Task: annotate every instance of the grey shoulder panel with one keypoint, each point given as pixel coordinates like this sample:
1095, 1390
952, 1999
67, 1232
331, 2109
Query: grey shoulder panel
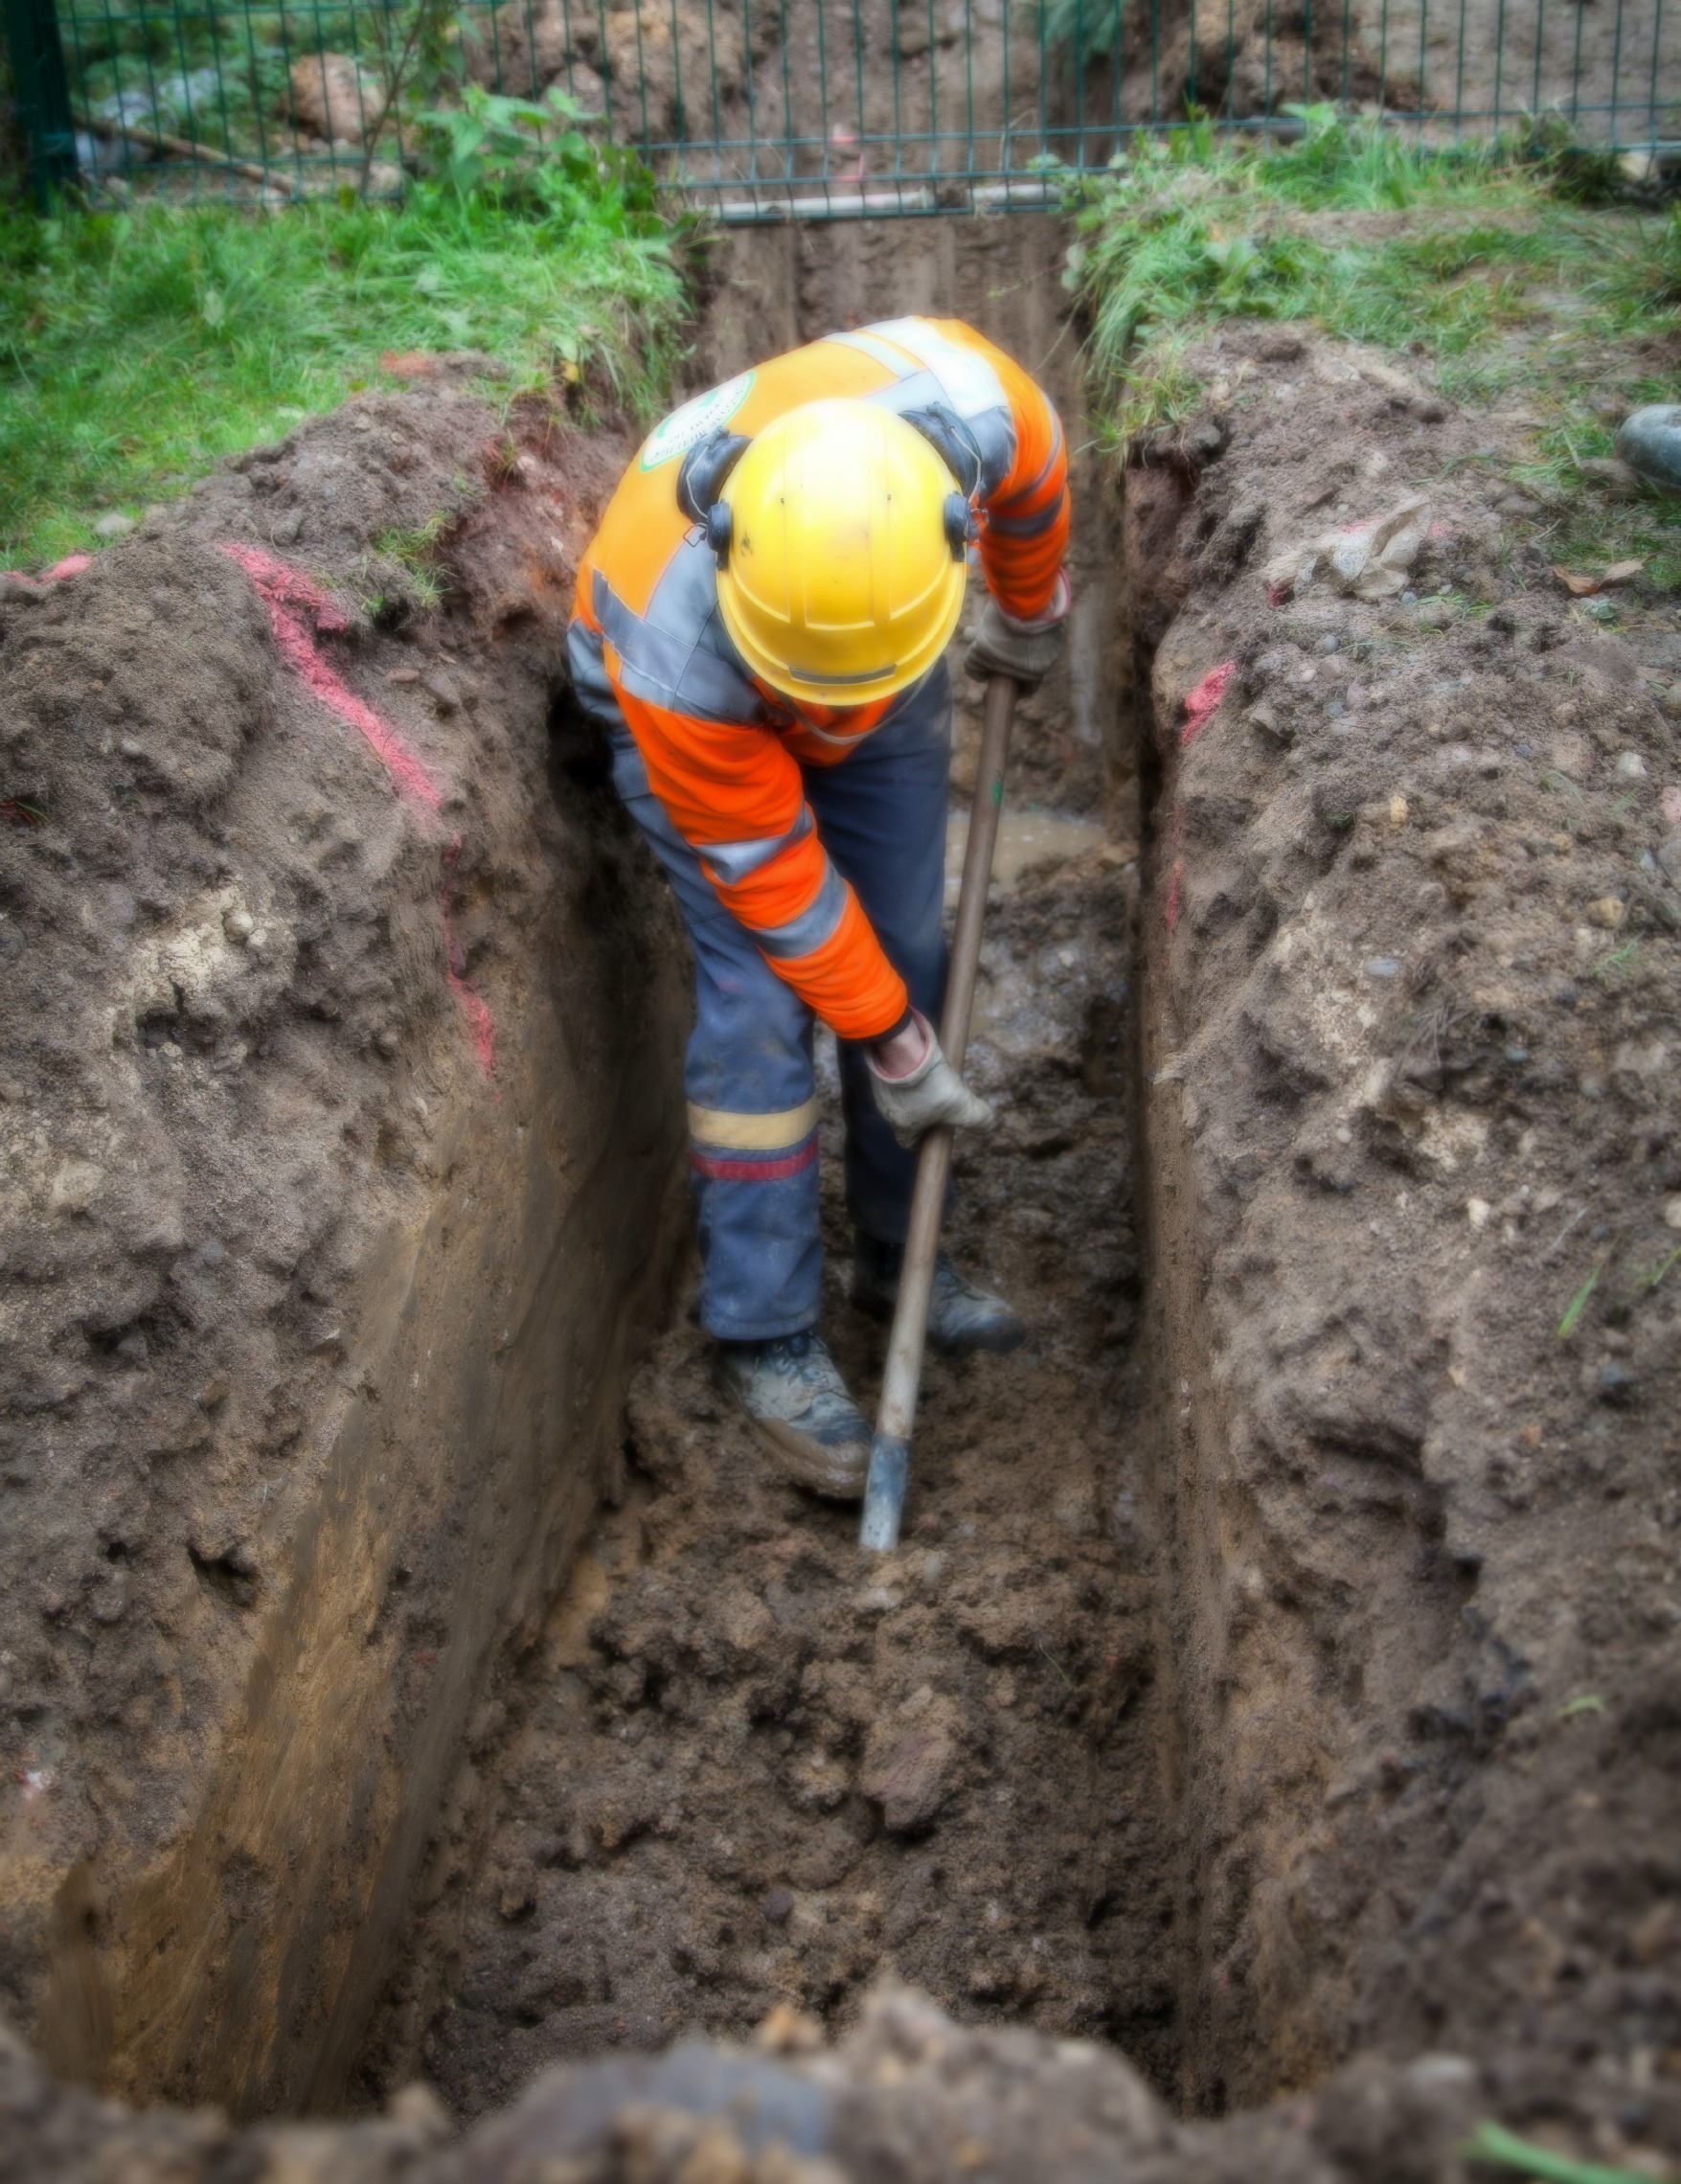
678, 655
590, 685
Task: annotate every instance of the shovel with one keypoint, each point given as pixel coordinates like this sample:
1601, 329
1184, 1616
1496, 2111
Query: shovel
890, 1452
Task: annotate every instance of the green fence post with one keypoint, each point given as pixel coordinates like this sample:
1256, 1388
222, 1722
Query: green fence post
43, 93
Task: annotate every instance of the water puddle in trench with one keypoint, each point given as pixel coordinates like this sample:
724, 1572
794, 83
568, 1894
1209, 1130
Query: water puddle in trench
745, 1766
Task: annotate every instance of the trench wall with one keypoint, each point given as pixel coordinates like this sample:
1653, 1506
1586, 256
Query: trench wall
500, 1328
388, 1193
1414, 1512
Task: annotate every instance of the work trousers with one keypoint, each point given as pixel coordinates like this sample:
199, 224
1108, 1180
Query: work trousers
749, 1076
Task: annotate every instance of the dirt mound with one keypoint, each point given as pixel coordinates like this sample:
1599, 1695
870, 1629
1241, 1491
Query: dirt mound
909, 2098
1414, 973
278, 855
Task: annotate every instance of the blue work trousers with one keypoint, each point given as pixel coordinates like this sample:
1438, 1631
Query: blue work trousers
881, 815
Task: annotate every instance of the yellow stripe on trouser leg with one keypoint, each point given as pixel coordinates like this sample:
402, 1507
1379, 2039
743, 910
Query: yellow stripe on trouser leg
751, 1134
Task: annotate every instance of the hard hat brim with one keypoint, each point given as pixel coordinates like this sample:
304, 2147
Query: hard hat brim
878, 682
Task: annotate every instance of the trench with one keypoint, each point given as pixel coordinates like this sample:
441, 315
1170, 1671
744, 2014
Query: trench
634, 1743
742, 1766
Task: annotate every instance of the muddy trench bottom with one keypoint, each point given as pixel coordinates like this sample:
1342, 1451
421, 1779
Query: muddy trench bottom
745, 1766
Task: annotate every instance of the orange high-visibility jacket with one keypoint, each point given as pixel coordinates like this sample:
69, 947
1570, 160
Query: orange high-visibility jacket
723, 753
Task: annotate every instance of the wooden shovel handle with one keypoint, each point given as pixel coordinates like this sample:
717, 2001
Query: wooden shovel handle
889, 1452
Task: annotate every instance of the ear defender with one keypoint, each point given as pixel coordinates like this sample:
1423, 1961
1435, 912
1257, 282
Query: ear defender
704, 472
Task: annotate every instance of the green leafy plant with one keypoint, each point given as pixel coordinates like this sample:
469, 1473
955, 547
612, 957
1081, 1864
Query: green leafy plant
526, 153
1615, 969
1578, 1305
415, 552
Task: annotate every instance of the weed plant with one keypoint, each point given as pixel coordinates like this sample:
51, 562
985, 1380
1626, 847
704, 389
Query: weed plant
1482, 260
138, 348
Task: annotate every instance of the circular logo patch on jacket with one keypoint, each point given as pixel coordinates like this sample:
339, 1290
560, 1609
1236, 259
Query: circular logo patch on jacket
696, 421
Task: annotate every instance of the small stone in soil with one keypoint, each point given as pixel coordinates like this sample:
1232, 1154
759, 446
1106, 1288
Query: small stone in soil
777, 1906
1611, 1382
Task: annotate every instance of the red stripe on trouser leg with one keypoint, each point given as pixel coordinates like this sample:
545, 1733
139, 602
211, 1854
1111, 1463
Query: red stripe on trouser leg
747, 1167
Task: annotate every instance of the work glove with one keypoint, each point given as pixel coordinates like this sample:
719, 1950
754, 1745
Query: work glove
932, 1094
1024, 651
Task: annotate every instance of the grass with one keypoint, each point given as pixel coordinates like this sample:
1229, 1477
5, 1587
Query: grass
1497, 275
404, 564
1578, 1305
138, 348
1502, 2148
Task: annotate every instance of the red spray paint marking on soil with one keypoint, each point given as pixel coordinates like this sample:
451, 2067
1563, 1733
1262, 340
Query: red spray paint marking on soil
72, 565
283, 591
288, 595
1203, 701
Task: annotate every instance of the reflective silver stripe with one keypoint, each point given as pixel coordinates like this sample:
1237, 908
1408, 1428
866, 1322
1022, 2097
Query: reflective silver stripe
968, 382
1028, 526
726, 1130
811, 927
864, 342
845, 682
728, 862
967, 386
673, 670
993, 429
844, 743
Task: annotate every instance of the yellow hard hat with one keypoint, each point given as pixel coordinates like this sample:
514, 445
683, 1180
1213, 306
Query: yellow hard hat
841, 560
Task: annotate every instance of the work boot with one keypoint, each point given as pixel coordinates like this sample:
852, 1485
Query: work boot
798, 1405
961, 1315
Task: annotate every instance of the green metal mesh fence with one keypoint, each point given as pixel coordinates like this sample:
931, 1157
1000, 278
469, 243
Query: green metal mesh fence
767, 108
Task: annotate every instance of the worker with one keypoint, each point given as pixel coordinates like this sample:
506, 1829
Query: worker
760, 626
